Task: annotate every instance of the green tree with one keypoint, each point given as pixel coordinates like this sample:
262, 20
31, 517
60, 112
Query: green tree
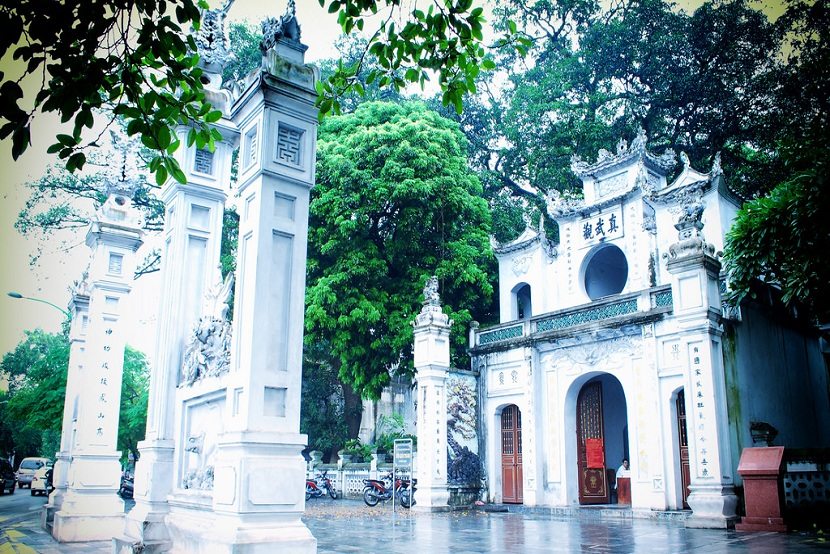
781, 238
36, 370
394, 203
130, 58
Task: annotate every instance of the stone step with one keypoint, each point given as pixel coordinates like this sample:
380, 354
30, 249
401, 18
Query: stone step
597, 512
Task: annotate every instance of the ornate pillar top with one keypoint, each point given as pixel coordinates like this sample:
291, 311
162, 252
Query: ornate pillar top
431, 312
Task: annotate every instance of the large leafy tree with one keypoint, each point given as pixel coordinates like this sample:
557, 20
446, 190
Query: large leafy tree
36, 371
394, 203
781, 238
697, 83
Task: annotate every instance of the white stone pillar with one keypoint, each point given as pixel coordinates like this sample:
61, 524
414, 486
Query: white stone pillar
259, 473
190, 266
91, 508
697, 306
79, 308
432, 363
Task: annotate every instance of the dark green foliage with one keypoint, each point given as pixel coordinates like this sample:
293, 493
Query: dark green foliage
322, 415
394, 204
697, 83
445, 38
131, 58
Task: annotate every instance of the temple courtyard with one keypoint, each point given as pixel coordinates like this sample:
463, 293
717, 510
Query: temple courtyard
350, 526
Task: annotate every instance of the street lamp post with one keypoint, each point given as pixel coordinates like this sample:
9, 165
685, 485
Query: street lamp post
19, 296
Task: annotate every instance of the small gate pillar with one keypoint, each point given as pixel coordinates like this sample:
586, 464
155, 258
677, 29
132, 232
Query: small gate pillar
432, 361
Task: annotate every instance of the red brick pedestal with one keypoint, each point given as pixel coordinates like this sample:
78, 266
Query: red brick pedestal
761, 470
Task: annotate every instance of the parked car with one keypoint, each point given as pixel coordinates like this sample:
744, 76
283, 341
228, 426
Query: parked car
42, 481
8, 480
27, 470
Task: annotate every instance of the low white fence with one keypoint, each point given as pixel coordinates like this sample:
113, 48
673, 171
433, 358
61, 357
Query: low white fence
348, 478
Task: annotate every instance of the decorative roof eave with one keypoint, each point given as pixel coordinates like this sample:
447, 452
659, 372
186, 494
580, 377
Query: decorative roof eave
526, 240
575, 210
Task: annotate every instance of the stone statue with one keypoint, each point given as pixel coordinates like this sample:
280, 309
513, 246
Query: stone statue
208, 351
274, 29
431, 297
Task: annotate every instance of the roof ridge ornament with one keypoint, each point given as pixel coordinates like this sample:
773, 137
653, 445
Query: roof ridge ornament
285, 27
212, 41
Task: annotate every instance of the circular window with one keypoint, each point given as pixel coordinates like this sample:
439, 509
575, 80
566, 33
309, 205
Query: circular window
606, 272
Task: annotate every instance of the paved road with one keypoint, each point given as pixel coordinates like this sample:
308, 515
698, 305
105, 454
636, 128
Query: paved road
349, 526
18, 504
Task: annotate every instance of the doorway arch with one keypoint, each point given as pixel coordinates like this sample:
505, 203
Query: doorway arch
601, 429
511, 455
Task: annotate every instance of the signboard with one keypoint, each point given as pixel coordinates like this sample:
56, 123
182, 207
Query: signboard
402, 454
597, 228
594, 453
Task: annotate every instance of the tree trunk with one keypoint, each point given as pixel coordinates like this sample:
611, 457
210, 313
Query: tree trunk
352, 410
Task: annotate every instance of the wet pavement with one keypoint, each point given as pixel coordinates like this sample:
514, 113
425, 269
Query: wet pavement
345, 526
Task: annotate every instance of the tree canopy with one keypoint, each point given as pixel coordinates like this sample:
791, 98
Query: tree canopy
394, 203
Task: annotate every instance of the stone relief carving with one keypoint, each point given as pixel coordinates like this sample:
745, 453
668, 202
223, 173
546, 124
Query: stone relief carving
583, 357
431, 296
200, 477
207, 354
692, 242
521, 265
463, 463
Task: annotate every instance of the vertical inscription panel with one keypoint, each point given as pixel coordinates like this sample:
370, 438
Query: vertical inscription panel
280, 296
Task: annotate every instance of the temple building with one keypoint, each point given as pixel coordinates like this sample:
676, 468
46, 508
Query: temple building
615, 343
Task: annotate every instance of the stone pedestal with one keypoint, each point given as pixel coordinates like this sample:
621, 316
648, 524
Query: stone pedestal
91, 508
432, 361
761, 470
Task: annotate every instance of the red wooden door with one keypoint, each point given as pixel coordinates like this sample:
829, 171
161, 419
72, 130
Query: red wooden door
590, 443
511, 455
683, 443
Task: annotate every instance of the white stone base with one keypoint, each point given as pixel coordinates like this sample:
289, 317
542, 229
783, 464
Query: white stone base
431, 498
82, 528
713, 506
202, 532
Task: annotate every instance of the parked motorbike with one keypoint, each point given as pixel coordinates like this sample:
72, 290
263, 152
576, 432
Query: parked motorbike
319, 486
381, 489
126, 488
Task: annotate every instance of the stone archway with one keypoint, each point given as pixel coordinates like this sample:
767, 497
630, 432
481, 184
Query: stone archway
600, 430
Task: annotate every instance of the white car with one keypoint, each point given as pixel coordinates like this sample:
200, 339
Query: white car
42, 481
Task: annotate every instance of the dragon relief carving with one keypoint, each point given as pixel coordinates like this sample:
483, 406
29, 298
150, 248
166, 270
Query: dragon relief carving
208, 352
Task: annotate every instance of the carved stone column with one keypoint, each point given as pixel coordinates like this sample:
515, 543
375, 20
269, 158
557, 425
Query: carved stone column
79, 308
258, 477
697, 307
432, 362
190, 258
91, 508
